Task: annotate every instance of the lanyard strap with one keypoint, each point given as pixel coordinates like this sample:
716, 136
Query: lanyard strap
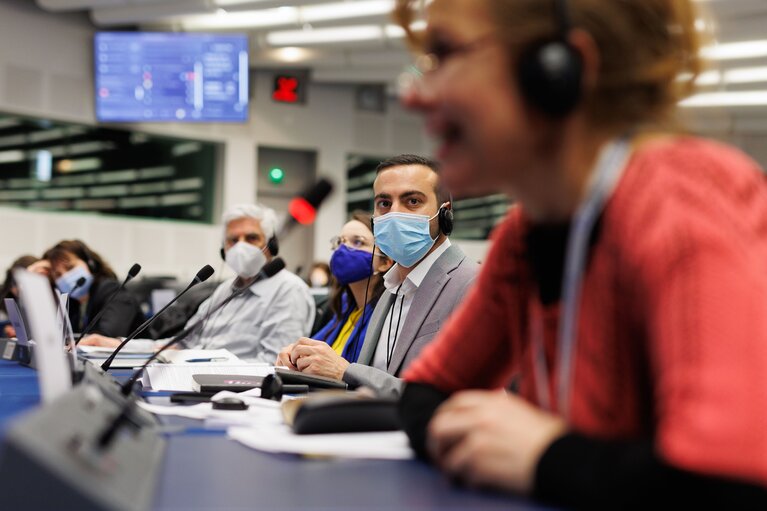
605, 177
390, 350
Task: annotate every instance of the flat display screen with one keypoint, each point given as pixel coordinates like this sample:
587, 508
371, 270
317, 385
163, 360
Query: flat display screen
180, 77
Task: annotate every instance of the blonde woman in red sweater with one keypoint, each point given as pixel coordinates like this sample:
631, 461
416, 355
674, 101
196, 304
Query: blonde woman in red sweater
625, 294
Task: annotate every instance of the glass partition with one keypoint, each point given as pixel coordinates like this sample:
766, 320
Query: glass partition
51, 165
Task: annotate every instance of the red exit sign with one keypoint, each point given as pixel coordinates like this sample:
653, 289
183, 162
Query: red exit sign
288, 89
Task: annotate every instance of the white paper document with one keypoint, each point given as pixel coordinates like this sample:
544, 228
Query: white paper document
391, 445
178, 377
261, 413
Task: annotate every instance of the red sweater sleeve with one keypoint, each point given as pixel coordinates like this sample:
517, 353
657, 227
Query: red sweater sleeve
473, 349
702, 268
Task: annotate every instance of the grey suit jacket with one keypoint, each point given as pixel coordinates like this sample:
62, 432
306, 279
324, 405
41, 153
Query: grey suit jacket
443, 288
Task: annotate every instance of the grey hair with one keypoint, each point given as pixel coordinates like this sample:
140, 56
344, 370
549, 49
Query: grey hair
266, 216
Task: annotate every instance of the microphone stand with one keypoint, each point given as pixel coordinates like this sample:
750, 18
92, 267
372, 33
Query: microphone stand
201, 276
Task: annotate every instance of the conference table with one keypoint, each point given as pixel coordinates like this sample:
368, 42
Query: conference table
204, 469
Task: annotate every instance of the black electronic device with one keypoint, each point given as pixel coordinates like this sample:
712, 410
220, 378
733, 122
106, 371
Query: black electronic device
64, 450
273, 387
550, 70
202, 275
313, 381
191, 397
221, 382
334, 412
229, 403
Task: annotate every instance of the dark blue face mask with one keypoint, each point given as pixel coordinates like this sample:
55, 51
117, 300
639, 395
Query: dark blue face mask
349, 265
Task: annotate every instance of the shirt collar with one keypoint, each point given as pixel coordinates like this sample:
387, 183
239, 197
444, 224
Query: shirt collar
258, 287
414, 279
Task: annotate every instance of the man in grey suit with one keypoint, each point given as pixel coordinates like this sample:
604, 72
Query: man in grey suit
413, 218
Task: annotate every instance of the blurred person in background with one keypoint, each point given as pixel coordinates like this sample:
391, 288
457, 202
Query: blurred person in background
72, 260
257, 324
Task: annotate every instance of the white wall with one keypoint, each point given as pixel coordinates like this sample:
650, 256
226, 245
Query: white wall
46, 70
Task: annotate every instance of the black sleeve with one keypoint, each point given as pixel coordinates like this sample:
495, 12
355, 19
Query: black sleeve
122, 314
417, 405
587, 473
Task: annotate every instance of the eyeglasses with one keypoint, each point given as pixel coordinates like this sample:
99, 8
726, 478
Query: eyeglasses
355, 242
413, 75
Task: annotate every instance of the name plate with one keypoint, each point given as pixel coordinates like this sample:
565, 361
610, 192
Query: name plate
10, 346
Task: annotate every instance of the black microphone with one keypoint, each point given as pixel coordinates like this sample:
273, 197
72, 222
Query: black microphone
80, 283
303, 209
269, 270
134, 270
202, 275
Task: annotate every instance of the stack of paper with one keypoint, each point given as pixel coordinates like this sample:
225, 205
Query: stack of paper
128, 357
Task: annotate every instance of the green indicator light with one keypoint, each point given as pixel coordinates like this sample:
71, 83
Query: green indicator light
276, 175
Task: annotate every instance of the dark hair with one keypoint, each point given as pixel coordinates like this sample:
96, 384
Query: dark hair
337, 291
6, 291
402, 160
96, 264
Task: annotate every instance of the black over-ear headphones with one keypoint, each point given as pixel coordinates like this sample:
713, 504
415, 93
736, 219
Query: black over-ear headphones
272, 245
550, 70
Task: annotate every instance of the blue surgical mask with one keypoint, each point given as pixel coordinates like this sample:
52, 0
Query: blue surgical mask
350, 265
404, 237
67, 283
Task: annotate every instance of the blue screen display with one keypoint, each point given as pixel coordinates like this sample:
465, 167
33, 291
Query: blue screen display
156, 76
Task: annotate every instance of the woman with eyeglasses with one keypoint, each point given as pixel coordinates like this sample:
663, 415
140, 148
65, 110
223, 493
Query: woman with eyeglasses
624, 296
356, 287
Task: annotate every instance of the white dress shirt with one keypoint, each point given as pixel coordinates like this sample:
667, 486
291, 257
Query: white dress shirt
404, 292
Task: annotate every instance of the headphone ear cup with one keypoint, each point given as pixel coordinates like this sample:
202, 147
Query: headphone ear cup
549, 74
222, 253
273, 245
445, 220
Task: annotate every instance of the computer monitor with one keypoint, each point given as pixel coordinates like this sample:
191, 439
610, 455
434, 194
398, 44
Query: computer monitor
180, 77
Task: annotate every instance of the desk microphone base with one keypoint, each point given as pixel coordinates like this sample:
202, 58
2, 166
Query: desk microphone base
49, 458
10, 349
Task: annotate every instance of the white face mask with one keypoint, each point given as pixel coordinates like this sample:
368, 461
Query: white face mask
245, 259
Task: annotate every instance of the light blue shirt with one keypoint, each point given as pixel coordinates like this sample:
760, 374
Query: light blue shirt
256, 325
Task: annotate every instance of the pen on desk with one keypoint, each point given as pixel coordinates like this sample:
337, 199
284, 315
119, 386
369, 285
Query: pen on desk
213, 359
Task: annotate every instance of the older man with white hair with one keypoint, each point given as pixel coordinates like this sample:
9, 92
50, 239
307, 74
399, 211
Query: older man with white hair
257, 324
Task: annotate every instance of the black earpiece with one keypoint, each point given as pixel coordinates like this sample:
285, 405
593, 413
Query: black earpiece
550, 71
88, 257
273, 245
445, 219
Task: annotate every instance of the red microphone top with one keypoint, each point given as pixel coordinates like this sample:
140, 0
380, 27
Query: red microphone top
303, 212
